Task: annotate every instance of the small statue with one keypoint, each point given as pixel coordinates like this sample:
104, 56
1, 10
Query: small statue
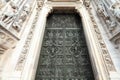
17, 25
10, 13
25, 12
102, 12
115, 8
111, 24
21, 18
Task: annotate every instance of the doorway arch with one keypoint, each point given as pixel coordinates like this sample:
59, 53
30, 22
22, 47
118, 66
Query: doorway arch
100, 71
64, 54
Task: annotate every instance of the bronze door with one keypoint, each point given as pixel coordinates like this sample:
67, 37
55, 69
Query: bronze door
64, 54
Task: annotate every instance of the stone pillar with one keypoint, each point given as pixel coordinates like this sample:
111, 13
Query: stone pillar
29, 70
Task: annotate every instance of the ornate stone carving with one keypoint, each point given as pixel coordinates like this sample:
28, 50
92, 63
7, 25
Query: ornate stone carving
87, 3
111, 25
23, 55
102, 11
105, 54
17, 24
6, 41
10, 13
115, 8
12, 17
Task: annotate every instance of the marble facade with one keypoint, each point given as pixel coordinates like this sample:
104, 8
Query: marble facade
21, 35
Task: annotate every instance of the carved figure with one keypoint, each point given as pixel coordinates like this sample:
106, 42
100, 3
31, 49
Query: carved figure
87, 3
22, 17
111, 24
102, 12
10, 13
17, 25
115, 8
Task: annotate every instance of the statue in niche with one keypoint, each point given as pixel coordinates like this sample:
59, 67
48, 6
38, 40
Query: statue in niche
25, 12
115, 8
10, 13
102, 11
22, 17
111, 24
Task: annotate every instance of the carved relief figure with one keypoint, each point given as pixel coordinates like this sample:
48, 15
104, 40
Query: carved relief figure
10, 13
111, 25
22, 17
102, 11
115, 8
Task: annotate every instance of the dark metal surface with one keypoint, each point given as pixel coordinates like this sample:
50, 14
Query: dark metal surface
64, 54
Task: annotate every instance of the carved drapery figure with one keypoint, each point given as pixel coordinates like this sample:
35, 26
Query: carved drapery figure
115, 8
10, 13
111, 25
22, 17
102, 11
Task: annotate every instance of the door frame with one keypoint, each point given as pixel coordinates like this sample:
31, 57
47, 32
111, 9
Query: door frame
100, 70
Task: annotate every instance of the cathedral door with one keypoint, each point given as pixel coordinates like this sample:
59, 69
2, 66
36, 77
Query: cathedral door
64, 54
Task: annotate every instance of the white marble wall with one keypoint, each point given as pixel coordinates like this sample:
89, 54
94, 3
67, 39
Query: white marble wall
20, 61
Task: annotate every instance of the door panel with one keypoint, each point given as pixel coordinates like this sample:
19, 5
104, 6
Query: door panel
64, 54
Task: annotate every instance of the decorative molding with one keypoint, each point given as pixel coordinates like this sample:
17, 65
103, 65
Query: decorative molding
105, 54
110, 18
23, 55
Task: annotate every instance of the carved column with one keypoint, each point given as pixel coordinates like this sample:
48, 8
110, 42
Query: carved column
31, 64
99, 53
